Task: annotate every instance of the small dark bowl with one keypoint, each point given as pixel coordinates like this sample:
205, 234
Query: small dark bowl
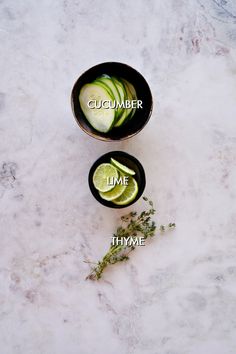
128, 161
141, 116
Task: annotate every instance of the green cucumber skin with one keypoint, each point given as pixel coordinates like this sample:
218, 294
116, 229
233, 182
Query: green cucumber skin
131, 89
115, 91
104, 80
118, 85
107, 88
123, 88
124, 119
119, 82
122, 122
100, 82
134, 96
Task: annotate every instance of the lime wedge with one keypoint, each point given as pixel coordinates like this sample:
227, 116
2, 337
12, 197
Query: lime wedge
114, 193
102, 175
129, 194
122, 167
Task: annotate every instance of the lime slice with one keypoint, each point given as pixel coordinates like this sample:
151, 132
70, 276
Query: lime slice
114, 193
129, 194
102, 175
122, 167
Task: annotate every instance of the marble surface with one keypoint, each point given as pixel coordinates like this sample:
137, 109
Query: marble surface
178, 294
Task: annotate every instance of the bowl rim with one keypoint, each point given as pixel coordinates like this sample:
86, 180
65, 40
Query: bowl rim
103, 138
140, 167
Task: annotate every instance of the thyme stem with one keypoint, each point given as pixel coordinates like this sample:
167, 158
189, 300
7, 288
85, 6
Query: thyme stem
134, 226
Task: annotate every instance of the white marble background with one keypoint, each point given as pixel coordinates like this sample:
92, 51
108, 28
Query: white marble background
178, 294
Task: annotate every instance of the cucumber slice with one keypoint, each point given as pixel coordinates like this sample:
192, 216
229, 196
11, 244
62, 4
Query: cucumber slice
99, 82
124, 113
120, 88
134, 95
107, 88
127, 111
131, 88
108, 81
122, 92
101, 119
110, 84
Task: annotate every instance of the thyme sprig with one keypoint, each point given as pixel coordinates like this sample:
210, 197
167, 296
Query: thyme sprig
132, 225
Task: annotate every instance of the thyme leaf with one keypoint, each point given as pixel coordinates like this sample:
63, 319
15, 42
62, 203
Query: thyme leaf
132, 225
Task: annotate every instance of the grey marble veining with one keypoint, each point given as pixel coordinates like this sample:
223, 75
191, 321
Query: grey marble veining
178, 294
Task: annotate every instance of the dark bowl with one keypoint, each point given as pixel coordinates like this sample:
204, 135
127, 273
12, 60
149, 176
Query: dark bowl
128, 161
141, 116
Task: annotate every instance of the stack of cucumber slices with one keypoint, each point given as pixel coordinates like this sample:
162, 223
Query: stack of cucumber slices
116, 92
124, 188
